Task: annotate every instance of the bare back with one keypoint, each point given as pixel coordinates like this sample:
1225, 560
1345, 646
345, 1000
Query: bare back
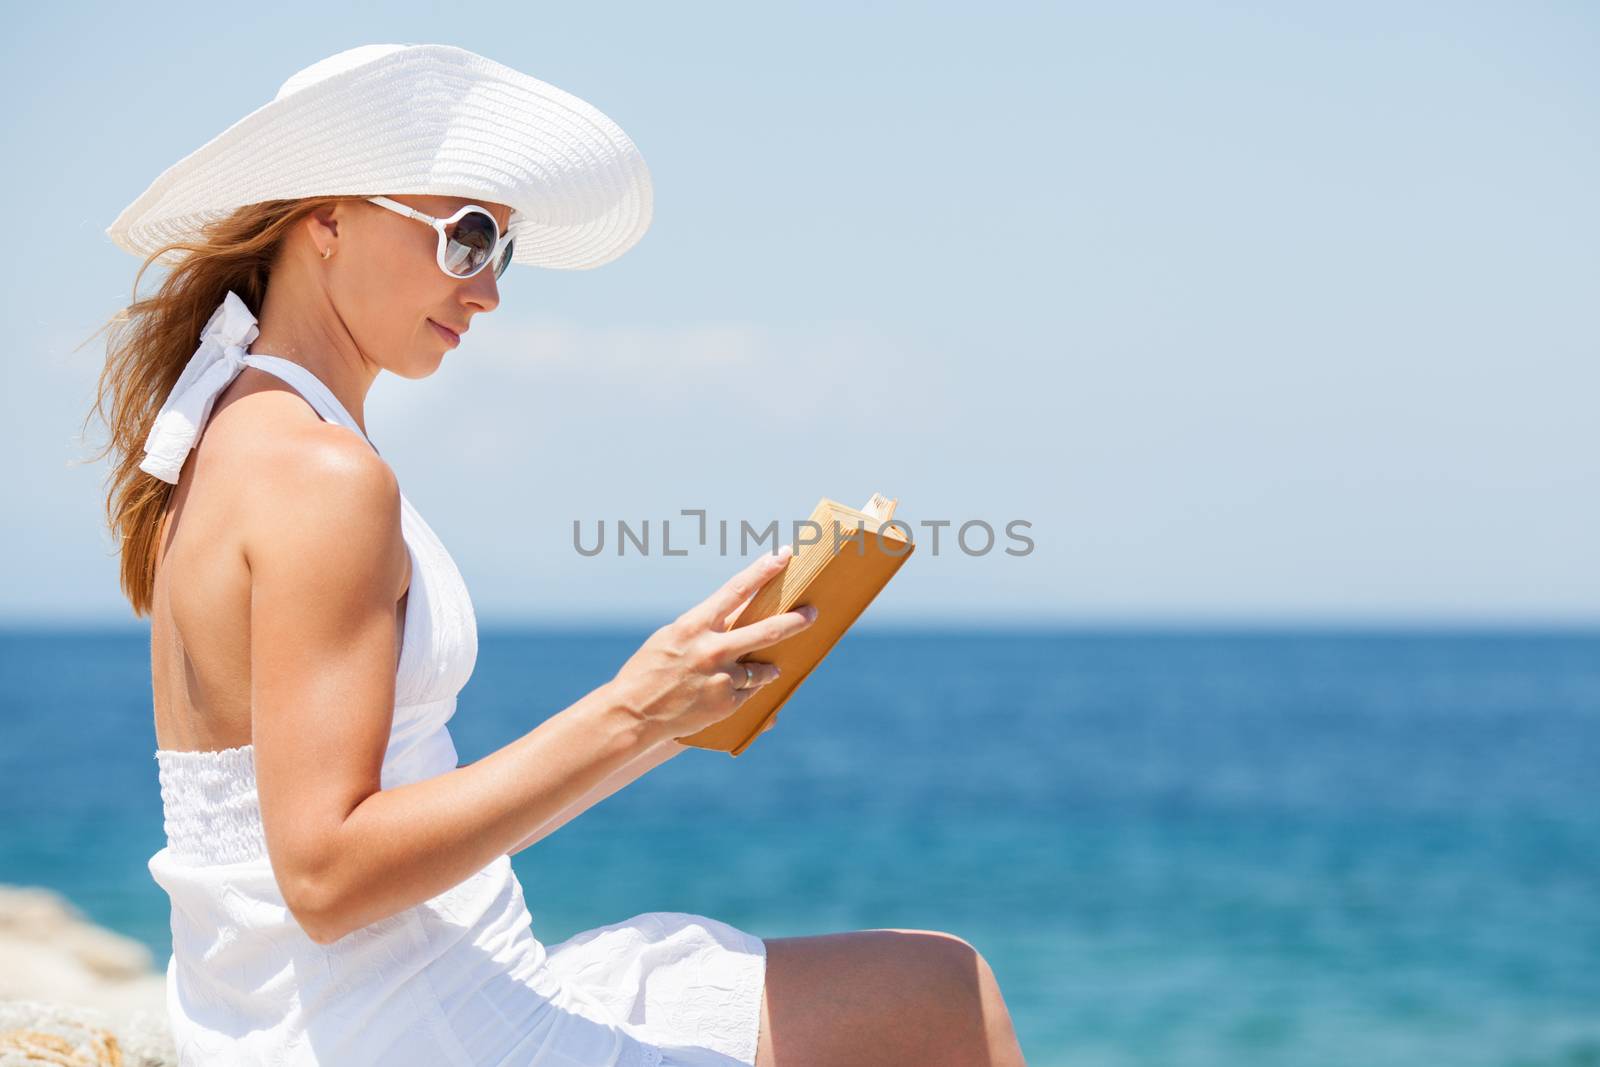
200, 614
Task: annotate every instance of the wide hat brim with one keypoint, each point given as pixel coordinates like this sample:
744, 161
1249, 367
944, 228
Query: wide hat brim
426, 119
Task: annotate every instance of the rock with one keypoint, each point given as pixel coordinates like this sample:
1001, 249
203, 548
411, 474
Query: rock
35, 1032
71, 991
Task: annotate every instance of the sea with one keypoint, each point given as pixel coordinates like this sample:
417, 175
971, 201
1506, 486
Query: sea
1186, 848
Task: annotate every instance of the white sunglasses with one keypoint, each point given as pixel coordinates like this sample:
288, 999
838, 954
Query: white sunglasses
469, 240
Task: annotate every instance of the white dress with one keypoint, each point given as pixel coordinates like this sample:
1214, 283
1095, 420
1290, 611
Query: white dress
458, 980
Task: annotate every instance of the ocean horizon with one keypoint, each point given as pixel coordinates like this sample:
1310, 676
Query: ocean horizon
1318, 845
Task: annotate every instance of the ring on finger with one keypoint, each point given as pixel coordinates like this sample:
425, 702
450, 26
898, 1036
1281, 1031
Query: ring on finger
748, 675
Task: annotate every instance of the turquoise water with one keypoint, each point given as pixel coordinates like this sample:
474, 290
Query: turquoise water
1174, 848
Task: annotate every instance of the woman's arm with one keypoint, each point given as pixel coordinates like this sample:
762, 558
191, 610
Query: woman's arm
637, 768
327, 565
641, 765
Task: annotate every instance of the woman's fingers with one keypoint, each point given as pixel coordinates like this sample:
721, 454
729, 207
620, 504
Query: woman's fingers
760, 674
764, 632
732, 616
729, 619
716, 611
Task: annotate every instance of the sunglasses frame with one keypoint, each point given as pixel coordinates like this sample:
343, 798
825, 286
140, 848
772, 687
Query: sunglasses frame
501, 240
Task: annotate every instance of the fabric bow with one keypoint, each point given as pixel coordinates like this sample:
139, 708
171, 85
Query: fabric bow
214, 364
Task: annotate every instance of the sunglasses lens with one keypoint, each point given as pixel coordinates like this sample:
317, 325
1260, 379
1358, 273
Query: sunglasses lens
471, 239
505, 258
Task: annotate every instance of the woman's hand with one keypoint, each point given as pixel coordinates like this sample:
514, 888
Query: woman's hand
689, 674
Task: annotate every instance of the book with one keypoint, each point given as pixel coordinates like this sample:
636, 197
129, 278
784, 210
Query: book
853, 555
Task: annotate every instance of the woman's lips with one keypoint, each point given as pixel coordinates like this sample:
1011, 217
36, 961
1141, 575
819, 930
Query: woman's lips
446, 333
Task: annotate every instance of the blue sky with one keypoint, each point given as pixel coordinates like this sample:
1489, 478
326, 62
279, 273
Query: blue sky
1259, 314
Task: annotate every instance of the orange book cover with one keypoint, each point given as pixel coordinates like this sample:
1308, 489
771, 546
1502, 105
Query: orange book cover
840, 572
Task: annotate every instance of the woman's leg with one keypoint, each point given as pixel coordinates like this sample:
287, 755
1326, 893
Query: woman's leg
882, 998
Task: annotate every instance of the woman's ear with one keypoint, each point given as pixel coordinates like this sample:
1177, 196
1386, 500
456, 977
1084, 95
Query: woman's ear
322, 225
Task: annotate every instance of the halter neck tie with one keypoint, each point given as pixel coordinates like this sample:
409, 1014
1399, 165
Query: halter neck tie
218, 360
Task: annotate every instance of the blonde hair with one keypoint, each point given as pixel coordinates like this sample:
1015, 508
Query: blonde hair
149, 343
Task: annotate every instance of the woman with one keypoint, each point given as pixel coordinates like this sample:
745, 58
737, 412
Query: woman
341, 890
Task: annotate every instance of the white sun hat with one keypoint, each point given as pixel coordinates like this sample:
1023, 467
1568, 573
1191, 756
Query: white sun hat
428, 119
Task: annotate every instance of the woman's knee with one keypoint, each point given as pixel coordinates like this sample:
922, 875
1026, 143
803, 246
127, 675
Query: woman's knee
884, 996
967, 971
999, 1030
954, 954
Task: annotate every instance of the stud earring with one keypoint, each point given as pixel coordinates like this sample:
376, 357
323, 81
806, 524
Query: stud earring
326, 252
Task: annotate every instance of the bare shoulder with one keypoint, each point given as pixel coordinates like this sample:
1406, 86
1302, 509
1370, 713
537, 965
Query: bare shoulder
322, 491
310, 495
